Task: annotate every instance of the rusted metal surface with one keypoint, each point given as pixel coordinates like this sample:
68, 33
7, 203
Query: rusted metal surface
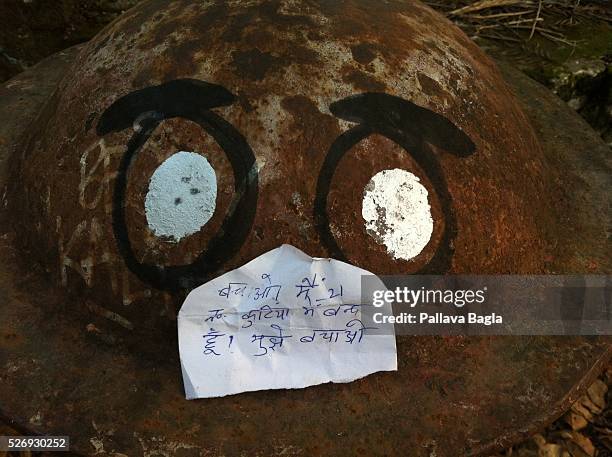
581, 168
286, 63
115, 390
451, 396
22, 99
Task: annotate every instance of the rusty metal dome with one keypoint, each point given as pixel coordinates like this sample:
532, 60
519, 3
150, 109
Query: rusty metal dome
295, 106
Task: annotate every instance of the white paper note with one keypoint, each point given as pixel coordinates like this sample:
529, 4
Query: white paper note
282, 321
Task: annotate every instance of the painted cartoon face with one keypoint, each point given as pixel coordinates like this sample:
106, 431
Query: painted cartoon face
182, 192
192, 137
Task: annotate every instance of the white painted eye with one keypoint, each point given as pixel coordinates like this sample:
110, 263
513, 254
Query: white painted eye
182, 196
397, 213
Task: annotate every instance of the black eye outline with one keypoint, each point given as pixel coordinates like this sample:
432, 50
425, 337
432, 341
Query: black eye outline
189, 99
410, 126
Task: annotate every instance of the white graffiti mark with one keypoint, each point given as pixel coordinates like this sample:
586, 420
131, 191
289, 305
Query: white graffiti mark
88, 249
91, 175
97, 254
397, 213
83, 267
4, 199
48, 200
158, 446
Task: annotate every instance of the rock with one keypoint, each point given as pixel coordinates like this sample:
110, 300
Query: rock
9, 66
597, 393
580, 409
550, 450
575, 420
583, 444
586, 407
579, 68
529, 448
539, 440
546, 449
586, 86
525, 452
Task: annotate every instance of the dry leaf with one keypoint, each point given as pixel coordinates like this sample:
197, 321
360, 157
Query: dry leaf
597, 393
550, 450
582, 441
575, 420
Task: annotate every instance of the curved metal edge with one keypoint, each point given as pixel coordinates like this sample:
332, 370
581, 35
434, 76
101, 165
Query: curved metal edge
566, 140
561, 407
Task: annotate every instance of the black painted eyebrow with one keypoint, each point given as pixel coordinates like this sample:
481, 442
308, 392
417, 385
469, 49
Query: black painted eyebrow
179, 98
380, 110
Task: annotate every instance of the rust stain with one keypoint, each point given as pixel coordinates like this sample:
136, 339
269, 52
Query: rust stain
253, 63
363, 53
362, 82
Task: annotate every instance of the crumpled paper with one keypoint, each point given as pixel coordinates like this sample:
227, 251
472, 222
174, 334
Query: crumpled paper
284, 320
